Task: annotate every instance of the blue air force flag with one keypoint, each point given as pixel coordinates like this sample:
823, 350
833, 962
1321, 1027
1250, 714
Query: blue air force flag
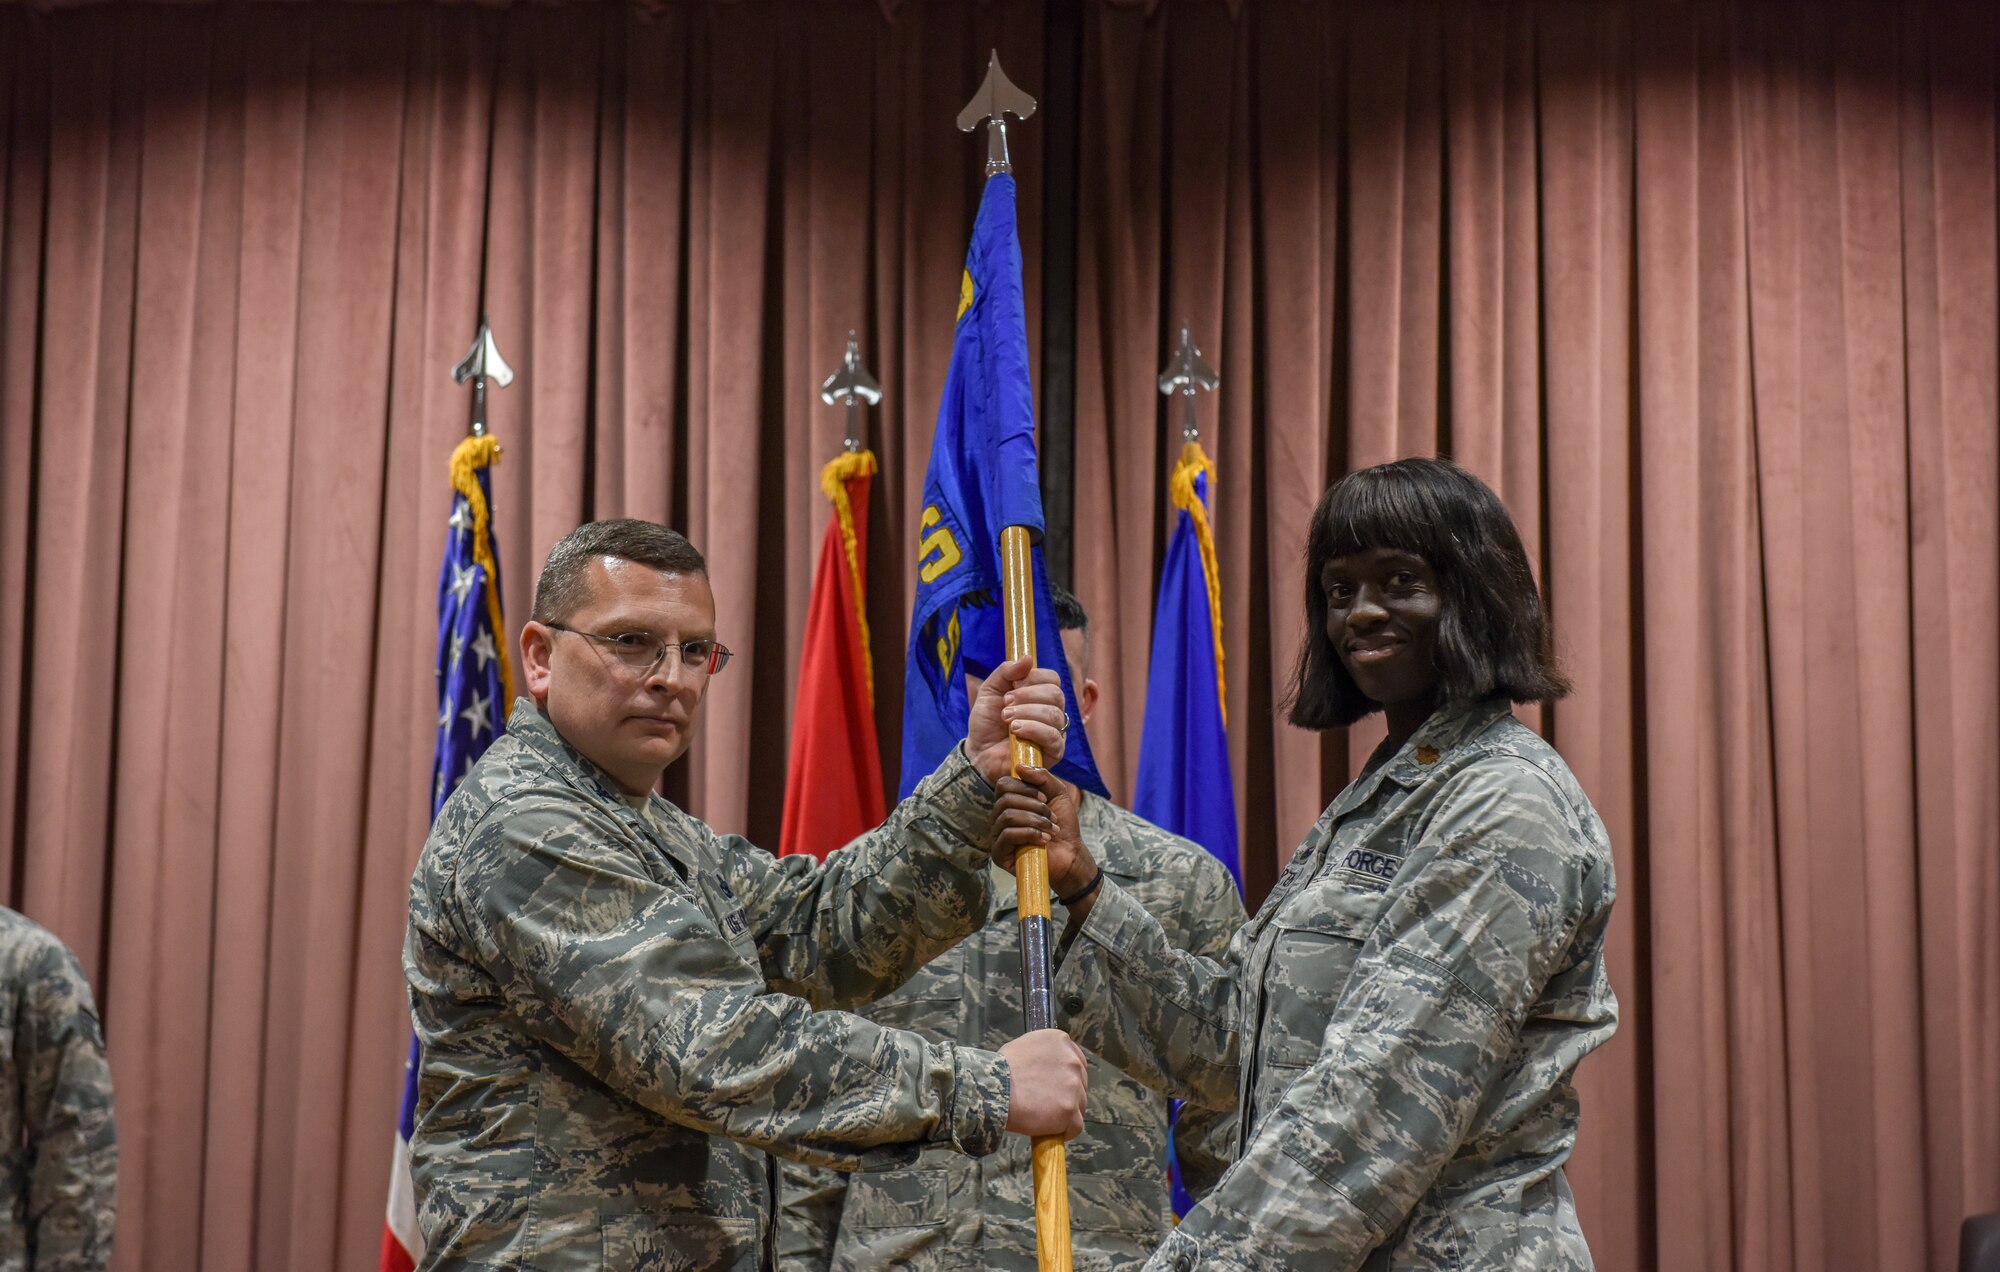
1183, 751
1184, 782
981, 479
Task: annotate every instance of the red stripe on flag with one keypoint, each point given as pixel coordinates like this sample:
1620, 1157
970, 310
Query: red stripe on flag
394, 1257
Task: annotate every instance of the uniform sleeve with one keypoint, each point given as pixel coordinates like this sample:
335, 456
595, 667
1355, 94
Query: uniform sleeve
1438, 994
630, 978
810, 1204
1212, 910
1210, 916
1163, 1014
66, 1112
843, 933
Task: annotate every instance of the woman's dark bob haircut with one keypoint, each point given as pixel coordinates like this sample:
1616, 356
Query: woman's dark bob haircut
1493, 636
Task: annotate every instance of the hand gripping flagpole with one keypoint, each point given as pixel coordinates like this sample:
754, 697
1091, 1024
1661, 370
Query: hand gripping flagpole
996, 98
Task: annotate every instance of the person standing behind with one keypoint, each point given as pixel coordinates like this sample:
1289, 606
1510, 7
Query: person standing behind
954, 1212
58, 1146
616, 1004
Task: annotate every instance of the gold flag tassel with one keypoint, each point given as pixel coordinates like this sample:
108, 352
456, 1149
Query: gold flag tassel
473, 455
833, 480
1194, 462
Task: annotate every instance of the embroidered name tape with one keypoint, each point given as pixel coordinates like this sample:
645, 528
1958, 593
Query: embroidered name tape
1375, 865
734, 920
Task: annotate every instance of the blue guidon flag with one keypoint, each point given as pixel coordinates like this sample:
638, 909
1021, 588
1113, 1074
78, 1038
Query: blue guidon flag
475, 688
981, 479
1184, 783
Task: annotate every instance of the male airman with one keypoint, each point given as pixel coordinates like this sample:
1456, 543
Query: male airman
619, 1007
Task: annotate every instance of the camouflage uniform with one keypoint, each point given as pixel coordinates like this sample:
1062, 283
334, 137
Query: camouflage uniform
1400, 1020
605, 1065
951, 1212
58, 1149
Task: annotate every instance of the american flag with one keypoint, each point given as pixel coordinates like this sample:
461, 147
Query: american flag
475, 686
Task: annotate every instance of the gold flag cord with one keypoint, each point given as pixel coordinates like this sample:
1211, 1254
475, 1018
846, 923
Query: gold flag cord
473, 454
833, 481
1194, 462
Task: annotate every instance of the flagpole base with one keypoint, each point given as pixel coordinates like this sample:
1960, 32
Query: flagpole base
1052, 1242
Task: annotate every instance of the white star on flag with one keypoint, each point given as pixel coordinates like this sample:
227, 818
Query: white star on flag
484, 648
461, 516
462, 580
478, 714
457, 649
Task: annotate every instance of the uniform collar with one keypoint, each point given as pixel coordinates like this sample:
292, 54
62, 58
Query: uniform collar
532, 728
1448, 728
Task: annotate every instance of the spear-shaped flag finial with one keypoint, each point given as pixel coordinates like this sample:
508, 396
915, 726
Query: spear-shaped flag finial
1186, 375
852, 386
996, 98
482, 363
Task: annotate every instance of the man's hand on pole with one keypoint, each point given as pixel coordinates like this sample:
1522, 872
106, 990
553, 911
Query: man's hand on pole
1049, 1079
1021, 700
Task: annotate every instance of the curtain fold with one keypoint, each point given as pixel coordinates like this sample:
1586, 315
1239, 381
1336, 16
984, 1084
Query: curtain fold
1708, 292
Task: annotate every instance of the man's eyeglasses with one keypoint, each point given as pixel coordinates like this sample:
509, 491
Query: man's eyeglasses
642, 652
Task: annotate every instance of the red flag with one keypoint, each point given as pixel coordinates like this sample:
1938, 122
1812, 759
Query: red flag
833, 786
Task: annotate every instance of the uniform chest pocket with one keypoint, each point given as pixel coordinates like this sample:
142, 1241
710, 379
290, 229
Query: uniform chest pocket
681, 1243
930, 1002
895, 1198
1315, 941
1124, 1130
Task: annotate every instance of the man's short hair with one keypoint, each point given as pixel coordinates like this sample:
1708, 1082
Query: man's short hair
1071, 618
1493, 634
564, 585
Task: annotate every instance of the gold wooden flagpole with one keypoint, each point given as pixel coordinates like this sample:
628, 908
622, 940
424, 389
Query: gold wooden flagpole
997, 96
1031, 878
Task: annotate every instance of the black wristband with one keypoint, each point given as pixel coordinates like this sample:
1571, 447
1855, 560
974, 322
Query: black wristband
1096, 881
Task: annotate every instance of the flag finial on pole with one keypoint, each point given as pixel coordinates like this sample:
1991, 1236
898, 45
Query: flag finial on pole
481, 363
851, 385
996, 98
1186, 375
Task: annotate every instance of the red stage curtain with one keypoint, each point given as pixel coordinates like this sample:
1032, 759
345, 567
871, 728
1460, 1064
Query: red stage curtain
1707, 291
